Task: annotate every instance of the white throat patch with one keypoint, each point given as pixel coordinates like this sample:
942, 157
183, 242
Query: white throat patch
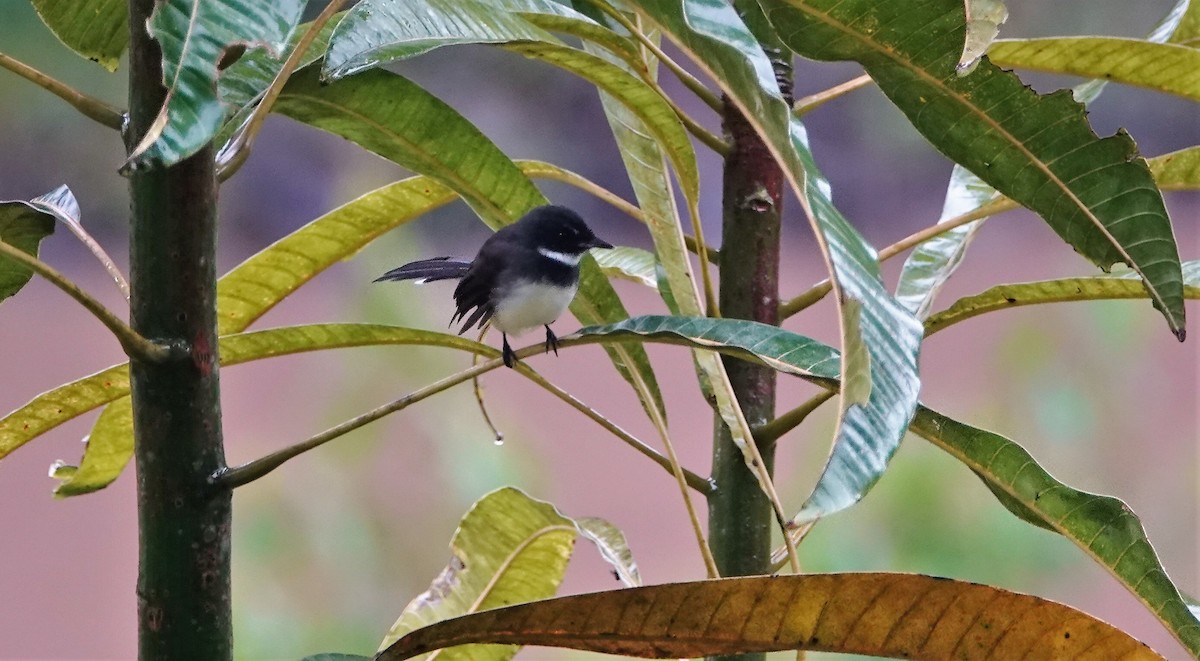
560, 257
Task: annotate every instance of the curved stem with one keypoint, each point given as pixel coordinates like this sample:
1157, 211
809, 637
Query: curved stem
236, 153
821, 289
135, 346
98, 251
814, 101
689, 81
702, 134
89, 106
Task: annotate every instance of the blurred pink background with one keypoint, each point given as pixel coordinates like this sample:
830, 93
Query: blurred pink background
330, 548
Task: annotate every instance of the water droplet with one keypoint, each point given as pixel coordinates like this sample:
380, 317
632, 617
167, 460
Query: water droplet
499, 440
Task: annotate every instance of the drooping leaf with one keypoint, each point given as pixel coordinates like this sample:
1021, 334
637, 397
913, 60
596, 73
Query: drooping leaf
194, 36
393, 117
376, 31
1096, 288
1168, 68
1102, 526
627, 263
108, 450
984, 18
508, 549
931, 264
895, 615
1097, 194
95, 29
713, 34
23, 225
613, 547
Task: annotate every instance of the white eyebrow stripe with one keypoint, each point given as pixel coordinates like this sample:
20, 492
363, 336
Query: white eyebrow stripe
560, 257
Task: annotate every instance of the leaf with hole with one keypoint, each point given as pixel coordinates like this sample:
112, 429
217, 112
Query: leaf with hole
1097, 194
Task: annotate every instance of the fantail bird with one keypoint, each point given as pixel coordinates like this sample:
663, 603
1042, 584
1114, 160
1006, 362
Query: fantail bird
524, 275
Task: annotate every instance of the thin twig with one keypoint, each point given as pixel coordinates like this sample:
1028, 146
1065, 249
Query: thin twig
821, 289
254, 469
90, 106
813, 101
553, 172
239, 148
478, 389
773, 430
135, 346
689, 81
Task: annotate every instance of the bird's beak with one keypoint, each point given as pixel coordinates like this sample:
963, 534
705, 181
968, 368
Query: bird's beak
599, 243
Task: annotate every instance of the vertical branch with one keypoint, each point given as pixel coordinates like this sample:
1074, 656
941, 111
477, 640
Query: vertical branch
740, 515
183, 573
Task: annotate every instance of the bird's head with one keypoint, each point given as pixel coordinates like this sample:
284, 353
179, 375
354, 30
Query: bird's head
560, 230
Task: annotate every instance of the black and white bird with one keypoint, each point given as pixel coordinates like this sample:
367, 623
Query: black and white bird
524, 275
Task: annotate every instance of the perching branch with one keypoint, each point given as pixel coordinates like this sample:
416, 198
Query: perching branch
135, 346
235, 154
821, 289
773, 430
252, 470
89, 106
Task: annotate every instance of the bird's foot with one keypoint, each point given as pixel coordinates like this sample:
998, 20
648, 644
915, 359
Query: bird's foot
510, 356
551, 341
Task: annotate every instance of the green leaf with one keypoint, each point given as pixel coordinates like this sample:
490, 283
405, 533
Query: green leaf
23, 225
336, 656
1096, 288
393, 117
1168, 68
194, 36
756, 342
1103, 527
867, 436
95, 29
627, 263
1178, 170
880, 614
1188, 33
984, 18
932, 263
375, 32
1097, 194
508, 549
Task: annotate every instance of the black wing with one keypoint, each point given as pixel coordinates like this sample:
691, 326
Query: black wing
429, 270
475, 292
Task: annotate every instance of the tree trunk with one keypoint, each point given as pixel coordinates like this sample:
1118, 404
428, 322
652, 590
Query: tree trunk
184, 543
740, 517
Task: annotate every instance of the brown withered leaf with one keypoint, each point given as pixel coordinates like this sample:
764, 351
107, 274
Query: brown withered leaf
880, 614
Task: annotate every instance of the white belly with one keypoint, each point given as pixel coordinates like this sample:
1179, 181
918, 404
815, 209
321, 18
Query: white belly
530, 306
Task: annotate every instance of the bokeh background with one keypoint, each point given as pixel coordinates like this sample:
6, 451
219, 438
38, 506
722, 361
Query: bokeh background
329, 549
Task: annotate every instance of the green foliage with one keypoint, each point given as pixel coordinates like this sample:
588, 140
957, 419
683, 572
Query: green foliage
1037, 150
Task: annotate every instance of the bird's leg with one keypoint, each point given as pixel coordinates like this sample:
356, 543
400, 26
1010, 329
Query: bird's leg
551, 341
510, 356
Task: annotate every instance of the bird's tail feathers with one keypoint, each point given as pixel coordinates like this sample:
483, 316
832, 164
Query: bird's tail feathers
428, 270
